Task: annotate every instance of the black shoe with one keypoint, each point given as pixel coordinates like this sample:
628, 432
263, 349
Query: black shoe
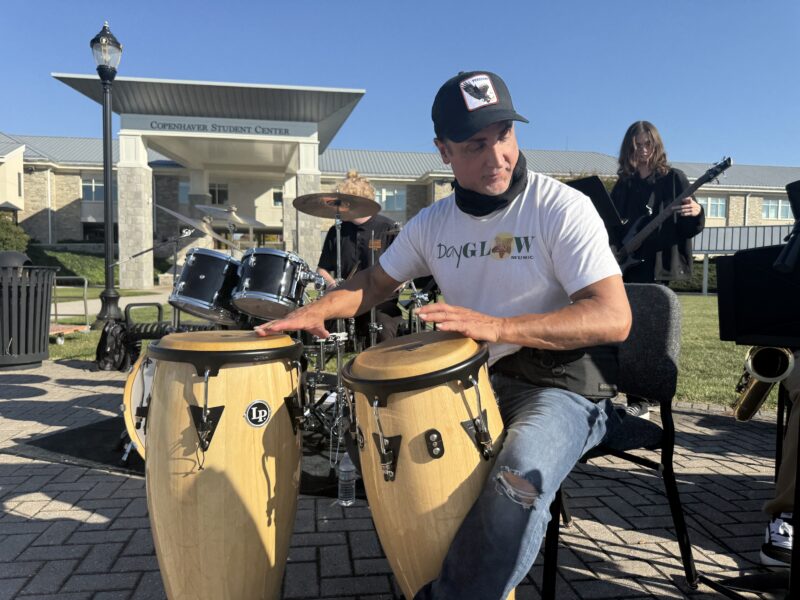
777, 548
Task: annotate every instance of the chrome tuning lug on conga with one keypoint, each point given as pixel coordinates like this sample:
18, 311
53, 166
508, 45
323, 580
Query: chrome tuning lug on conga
482, 435
205, 419
388, 447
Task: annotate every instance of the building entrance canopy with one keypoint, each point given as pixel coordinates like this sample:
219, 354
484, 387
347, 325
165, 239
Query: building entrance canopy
216, 130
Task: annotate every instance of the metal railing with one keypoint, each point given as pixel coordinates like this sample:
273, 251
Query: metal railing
61, 280
714, 241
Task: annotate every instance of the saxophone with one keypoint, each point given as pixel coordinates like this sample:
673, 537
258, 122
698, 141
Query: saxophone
764, 366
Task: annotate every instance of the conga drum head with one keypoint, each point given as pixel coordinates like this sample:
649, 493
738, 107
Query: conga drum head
414, 355
223, 341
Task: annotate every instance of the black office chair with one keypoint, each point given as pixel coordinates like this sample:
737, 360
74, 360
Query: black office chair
648, 367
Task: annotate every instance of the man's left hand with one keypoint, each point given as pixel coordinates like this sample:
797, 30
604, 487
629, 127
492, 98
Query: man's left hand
688, 208
470, 323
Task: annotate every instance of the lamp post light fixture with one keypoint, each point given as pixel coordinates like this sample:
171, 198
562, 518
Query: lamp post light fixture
107, 52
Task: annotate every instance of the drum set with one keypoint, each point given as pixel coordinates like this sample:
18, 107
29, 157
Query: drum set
218, 417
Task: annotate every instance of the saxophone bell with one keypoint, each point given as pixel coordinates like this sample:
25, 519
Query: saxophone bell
764, 366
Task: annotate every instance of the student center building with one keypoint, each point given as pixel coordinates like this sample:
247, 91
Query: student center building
183, 144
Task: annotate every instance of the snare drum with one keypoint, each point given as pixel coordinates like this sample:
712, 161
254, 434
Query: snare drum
271, 283
136, 400
205, 285
428, 428
223, 462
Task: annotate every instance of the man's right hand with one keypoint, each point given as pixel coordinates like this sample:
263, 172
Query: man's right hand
304, 318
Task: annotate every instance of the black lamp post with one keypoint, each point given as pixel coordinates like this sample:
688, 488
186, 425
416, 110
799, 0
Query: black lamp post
107, 52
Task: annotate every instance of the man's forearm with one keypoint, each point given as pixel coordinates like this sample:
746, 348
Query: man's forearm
352, 298
586, 322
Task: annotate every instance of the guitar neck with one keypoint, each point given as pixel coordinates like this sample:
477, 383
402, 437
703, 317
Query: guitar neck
666, 212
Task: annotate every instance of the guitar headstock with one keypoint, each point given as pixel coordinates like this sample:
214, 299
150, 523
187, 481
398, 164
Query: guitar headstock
715, 171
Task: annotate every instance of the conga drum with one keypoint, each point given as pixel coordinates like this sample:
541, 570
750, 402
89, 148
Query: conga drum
223, 462
136, 401
428, 429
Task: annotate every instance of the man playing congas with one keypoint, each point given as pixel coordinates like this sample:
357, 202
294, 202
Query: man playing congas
523, 261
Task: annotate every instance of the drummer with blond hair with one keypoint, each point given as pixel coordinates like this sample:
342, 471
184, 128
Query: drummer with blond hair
356, 235
554, 286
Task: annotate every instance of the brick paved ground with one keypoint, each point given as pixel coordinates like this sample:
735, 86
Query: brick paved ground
80, 531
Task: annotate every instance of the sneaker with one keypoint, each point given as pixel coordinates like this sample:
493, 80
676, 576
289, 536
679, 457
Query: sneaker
777, 548
638, 409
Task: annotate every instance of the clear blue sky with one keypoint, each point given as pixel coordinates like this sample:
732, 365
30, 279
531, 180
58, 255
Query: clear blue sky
717, 77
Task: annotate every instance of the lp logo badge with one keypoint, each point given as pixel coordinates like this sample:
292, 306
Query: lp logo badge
258, 413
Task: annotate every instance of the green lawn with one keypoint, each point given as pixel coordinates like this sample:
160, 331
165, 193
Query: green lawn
709, 368
81, 264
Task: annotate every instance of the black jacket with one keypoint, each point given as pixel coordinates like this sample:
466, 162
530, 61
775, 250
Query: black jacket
355, 250
667, 253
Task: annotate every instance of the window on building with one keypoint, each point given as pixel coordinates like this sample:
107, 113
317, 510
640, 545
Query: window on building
391, 199
277, 198
219, 193
92, 188
776, 208
19, 185
714, 206
96, 232
183, 192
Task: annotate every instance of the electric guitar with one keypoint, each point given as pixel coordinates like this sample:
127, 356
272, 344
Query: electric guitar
644, 226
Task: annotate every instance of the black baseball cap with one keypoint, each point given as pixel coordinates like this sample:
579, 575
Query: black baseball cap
468, 102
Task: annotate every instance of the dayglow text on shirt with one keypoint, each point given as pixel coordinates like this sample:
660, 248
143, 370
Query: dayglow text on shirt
504, 246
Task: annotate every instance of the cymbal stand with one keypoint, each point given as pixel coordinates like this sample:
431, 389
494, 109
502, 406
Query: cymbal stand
374, 326
339, 338
414, 303
185, 233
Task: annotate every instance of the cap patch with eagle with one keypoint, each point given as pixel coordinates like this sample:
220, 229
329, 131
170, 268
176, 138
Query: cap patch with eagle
478, 92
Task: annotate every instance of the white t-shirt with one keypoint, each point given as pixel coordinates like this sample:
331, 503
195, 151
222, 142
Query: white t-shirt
529, 257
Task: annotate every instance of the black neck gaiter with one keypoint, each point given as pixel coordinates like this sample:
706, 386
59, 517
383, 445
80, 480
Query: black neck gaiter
480, 205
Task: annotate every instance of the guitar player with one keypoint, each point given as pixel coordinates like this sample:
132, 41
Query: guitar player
646, 183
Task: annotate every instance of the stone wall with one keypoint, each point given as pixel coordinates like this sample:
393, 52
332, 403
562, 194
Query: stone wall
34, 216
417, 198
735, 212
67, 207
135, 185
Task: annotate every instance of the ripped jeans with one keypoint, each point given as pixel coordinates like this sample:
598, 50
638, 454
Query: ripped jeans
547, 431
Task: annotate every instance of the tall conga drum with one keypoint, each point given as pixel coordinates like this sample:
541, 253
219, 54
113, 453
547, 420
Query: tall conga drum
223, 462
428, 429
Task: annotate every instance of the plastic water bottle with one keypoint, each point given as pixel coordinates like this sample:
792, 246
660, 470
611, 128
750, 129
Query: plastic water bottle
347, 481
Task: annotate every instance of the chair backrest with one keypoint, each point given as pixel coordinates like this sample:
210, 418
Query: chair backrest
648, 359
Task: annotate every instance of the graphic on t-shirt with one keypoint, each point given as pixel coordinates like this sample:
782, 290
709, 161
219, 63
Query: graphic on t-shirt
503, 244
478, 92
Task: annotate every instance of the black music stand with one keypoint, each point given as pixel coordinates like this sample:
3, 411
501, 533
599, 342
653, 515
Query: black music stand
744, 281
593, 187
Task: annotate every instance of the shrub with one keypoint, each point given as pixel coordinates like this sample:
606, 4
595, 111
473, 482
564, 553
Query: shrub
12, 237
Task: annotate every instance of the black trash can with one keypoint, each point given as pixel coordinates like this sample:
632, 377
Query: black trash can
25, 294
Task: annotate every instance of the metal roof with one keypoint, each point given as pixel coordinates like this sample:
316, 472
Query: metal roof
8, 145
75, 151
328, 107
72, 151
377, 163
745, 176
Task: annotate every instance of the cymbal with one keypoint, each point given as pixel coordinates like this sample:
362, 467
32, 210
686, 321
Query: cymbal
203, 226
228, 213
328, 204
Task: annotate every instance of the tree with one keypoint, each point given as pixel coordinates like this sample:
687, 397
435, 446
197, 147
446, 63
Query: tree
12, 237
